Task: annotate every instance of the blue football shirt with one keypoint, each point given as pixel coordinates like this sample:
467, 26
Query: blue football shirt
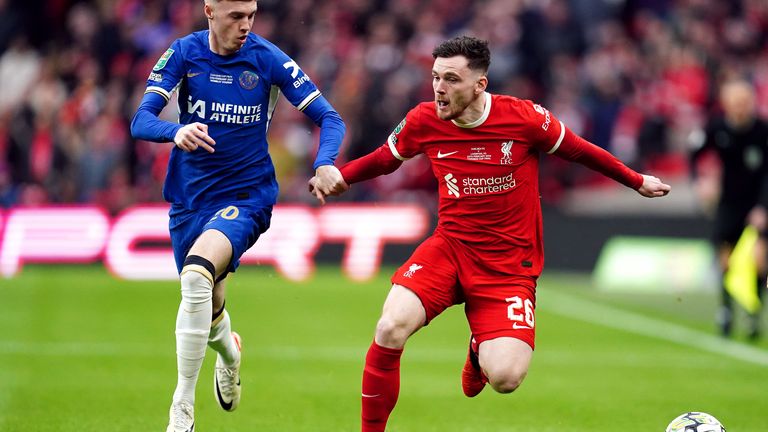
235, 95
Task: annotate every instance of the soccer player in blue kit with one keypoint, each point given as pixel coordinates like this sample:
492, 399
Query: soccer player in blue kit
221, 181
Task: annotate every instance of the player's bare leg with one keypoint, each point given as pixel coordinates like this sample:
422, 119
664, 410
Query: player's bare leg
505, 362
402, 315
207, 258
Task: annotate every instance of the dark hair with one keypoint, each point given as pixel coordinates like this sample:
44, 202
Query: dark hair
475, 50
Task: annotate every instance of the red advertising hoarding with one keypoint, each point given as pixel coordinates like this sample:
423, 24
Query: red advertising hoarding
135, 244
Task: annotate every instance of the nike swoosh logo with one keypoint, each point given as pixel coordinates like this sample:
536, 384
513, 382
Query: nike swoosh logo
442, 155
226, 405
517, 326
193, 74
371, 396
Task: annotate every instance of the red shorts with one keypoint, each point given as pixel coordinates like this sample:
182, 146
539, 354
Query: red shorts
443, 272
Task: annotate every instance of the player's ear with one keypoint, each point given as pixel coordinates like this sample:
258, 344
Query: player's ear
481, 84
208, 10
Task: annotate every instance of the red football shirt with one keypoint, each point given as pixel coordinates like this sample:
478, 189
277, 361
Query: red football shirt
488, 175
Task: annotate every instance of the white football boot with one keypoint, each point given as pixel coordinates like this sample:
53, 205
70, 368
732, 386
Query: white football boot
226, 381
182, 416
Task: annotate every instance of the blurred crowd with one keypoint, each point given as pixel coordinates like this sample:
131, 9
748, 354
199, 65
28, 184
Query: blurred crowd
636, 77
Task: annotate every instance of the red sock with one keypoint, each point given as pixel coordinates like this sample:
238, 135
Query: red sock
381, 386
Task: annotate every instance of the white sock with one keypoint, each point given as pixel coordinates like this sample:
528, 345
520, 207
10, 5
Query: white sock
222, 342
193, 324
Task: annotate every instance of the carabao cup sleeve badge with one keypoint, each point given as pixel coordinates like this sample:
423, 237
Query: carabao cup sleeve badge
163, 60
248, 80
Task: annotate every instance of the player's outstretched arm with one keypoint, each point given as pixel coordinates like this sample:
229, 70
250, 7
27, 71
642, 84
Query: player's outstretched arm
575, 148
376, 163
653, 187
192, 136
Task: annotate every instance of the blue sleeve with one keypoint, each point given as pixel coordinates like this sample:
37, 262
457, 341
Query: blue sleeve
332, 130
302, 93
161, 83
147, 126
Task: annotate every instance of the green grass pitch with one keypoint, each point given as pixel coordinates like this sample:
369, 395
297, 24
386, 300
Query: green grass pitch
82, 351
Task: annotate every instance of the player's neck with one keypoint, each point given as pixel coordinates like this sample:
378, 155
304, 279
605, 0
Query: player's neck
473, 112
216, 47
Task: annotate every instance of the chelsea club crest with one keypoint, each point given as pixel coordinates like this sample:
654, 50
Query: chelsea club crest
248, 80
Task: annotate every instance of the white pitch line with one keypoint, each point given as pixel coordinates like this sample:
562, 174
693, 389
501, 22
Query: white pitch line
608, 316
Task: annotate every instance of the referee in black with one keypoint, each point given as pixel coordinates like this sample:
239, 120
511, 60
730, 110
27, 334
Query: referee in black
739, 139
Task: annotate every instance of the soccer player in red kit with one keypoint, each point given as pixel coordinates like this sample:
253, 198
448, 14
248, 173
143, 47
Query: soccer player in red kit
487, 249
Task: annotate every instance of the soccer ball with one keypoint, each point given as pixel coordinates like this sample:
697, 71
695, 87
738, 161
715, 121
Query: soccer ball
695, 422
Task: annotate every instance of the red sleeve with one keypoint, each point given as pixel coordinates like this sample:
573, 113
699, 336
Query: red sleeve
577, 149
378, 162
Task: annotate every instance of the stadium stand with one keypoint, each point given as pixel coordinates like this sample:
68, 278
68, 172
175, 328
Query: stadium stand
636, 77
